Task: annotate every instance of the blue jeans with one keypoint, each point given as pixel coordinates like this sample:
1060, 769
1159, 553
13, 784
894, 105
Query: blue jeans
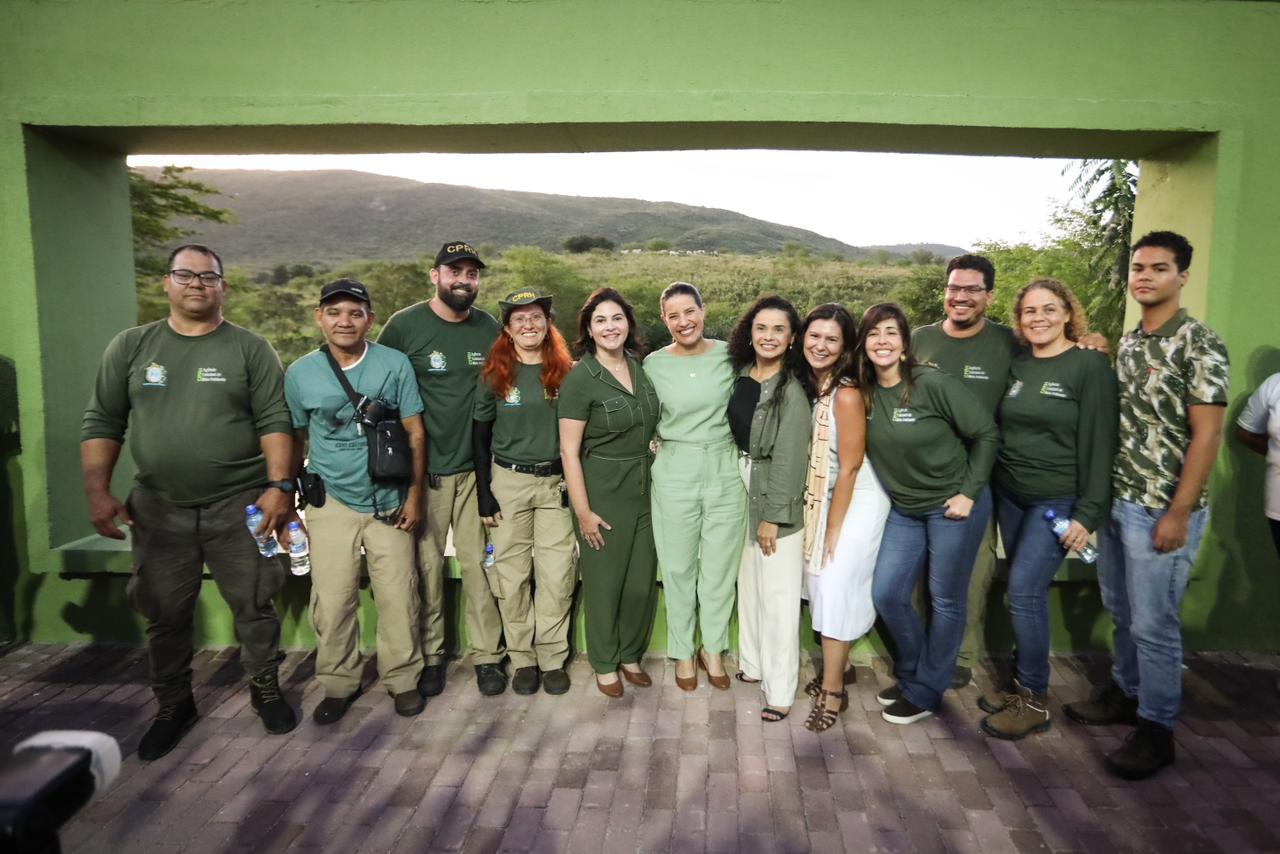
925, 660
1143, 588
1034, 556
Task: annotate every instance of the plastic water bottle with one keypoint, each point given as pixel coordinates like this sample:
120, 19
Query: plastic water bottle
267, 545
1088, 553
488, 556
299, 551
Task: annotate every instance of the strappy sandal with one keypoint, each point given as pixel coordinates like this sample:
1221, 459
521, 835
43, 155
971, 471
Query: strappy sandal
743, 677
814, 685
822, 718
772, 715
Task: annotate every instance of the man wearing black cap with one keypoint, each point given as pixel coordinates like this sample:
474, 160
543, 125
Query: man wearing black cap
446, 339
356, 510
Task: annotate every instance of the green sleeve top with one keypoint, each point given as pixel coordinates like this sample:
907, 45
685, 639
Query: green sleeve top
940, 442
694, 392
779, 449
1058, 423
981, 362
620, 423
525, 427
195, 408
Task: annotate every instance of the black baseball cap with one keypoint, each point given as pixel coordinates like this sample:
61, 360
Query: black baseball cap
346, 287
457, 250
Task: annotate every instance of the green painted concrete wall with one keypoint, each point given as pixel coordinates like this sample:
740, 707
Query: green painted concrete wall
1187, 86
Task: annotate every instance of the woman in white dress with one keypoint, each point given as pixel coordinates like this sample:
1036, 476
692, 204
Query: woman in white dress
845, 508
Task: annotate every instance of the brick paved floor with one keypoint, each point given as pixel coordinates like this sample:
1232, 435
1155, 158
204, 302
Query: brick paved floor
658, 770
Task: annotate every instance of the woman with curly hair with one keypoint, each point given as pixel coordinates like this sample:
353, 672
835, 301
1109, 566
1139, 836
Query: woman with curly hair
844, 507
521, 492
1058, 423
699, 505
769, 418
608, 415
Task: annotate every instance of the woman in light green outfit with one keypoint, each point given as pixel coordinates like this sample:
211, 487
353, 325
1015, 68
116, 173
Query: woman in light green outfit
698, 503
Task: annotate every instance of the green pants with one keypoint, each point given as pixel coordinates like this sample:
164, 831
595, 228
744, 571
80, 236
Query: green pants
619, 589
699, 523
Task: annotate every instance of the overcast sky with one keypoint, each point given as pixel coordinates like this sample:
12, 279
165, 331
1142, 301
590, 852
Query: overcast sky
861, 199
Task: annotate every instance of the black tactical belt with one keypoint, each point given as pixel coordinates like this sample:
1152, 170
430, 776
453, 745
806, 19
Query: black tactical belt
552, 469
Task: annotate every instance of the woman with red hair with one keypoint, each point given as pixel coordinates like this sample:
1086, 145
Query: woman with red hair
521, 492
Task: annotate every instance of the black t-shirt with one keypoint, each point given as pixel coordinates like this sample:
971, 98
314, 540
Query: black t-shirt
742, 409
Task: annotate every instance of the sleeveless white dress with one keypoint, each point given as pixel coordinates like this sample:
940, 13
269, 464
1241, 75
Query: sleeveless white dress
840, 595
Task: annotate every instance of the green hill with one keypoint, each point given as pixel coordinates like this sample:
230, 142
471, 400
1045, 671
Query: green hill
332, 217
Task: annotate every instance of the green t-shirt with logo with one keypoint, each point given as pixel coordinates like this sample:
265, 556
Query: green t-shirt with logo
980, 362
526, 428
336, 449
1058, 432
194, 407
939, 443
446, 357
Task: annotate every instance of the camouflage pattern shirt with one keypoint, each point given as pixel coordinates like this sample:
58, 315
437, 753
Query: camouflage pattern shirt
1162, 373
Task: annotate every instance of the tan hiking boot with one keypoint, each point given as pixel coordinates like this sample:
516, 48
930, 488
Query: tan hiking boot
1022, 715
1000, 696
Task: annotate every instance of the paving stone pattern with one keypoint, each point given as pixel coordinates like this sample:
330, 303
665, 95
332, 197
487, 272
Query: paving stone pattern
658, 770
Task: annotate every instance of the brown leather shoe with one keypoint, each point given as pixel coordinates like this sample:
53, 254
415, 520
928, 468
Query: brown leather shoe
722, 681
687, 683
638, 678
613, 689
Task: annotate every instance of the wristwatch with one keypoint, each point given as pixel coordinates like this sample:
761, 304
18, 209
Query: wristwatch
283, 485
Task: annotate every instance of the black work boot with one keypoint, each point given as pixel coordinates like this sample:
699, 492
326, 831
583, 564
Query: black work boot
491, 680
1108, 706
431, 681
1147, 749
526, 680
171, 723
265, 697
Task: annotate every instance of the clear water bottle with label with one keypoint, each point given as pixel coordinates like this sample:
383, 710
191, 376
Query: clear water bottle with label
267, 545
299, 550
1088, 554
488, 556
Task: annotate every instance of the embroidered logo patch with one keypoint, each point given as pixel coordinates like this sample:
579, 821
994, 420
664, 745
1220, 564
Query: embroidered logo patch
209, 375
1052, 389
437, 361
474, 358
902, 415
513, 397
155, 376
1015, 388
975, 372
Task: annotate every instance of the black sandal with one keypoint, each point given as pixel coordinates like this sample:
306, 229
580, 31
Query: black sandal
769, 713
743, 677
822, 718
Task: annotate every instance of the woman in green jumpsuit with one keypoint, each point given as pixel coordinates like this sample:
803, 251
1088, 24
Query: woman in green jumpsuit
608, 413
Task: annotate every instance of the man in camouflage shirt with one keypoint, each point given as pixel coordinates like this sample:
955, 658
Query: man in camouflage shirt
1173, 393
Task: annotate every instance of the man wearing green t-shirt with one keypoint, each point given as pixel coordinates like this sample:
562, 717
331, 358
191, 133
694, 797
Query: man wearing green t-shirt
358, 512
446, 339
203, 403
978, 351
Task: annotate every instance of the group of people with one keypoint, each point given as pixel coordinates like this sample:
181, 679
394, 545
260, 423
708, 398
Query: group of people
861, 465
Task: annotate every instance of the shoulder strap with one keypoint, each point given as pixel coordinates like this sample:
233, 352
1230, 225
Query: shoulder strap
342, 378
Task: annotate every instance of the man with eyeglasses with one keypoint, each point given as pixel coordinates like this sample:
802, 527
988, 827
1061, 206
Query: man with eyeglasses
979, 352
202, 401
356, 511
446, 338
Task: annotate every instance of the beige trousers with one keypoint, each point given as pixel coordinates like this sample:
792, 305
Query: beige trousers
336, 533
769, 613
534, 542
454, 505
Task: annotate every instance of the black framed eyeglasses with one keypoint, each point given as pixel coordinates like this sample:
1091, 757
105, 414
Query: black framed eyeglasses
186, 277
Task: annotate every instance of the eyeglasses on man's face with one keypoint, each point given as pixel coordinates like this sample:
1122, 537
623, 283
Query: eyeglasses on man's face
967, 290
186, 277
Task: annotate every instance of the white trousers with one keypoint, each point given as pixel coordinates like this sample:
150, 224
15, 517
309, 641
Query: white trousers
769, 614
